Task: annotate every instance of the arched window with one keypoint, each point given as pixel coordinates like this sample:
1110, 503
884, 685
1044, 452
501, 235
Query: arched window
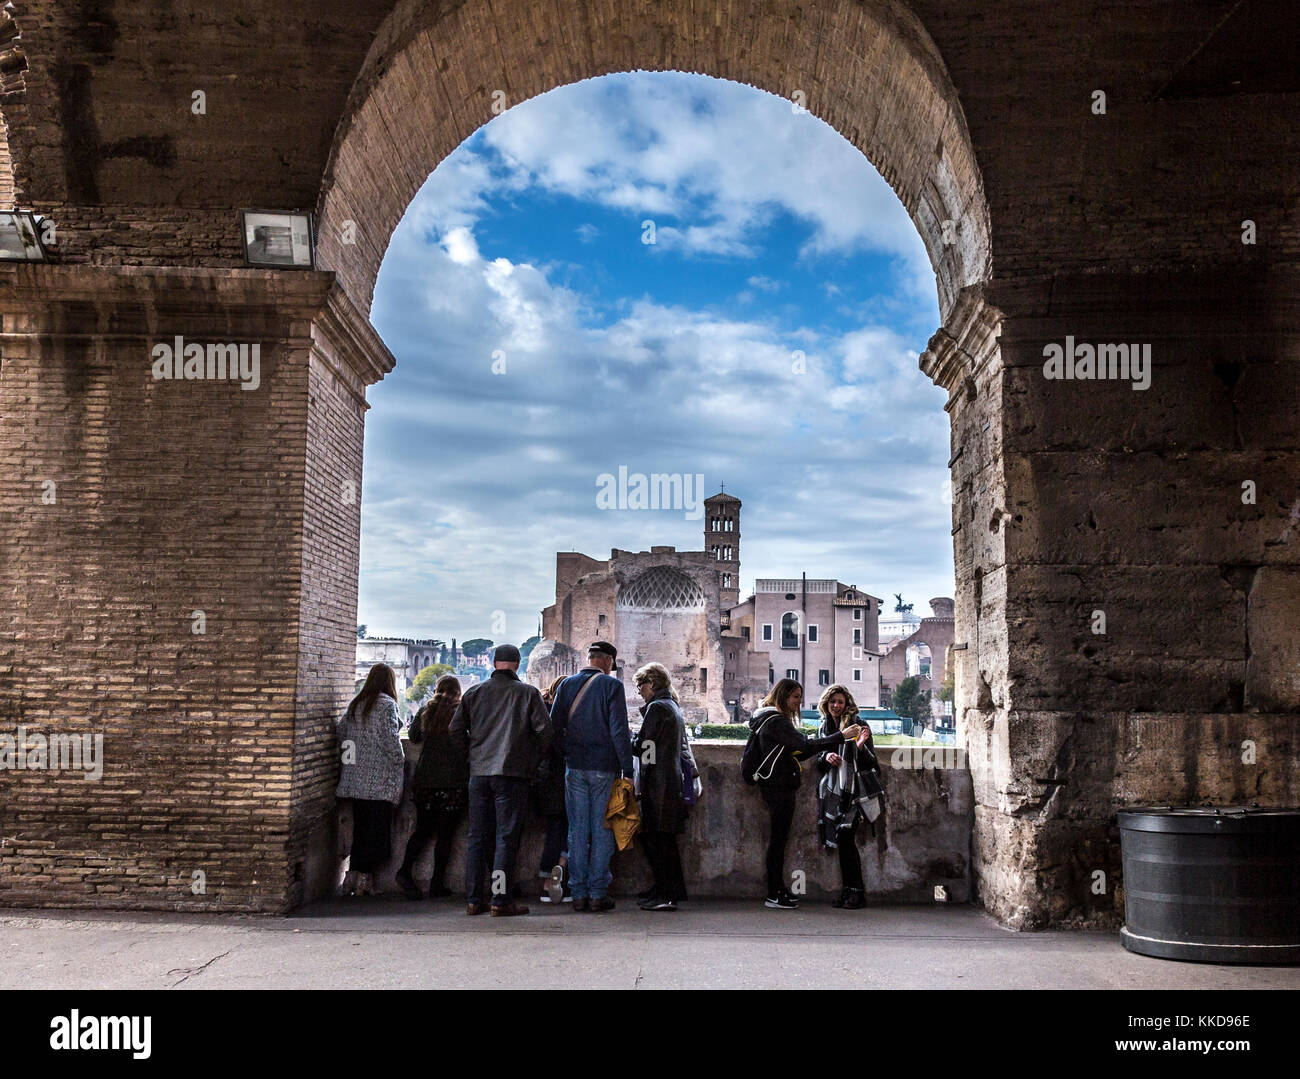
790, 629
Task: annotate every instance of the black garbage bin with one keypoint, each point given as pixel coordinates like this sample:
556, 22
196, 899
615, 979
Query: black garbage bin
1218, 884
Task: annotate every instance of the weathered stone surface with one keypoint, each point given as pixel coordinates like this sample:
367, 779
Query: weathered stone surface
1123, 226
922, 841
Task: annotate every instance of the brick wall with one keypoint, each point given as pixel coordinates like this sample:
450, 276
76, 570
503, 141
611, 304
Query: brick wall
170, 498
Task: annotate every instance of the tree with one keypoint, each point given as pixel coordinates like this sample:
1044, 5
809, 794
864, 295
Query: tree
479, 646
946, 690
361, 632
911, 702
424, 681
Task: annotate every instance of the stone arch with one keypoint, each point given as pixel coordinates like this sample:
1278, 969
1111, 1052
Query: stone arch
661, 588
866, 67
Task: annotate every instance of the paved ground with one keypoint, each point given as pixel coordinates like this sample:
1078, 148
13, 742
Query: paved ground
388, 942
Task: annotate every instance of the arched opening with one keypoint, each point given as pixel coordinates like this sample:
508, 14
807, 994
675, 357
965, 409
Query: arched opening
870, 70
657, 609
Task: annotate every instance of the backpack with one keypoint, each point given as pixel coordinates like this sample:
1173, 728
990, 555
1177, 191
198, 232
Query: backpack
753, 760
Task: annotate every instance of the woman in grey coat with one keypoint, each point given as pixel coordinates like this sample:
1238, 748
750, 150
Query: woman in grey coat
371, 775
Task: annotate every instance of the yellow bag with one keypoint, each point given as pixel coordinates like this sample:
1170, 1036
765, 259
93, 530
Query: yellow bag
622, 816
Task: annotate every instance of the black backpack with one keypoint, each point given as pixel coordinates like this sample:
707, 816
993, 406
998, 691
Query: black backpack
753, 758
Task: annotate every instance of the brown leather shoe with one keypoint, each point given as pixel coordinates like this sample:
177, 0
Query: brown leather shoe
604, 903
581, 906
475, 908
507, 910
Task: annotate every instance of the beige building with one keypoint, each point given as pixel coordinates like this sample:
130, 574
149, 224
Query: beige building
817, 631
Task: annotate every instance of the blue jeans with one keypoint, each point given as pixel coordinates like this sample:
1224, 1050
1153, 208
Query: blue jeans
496, 817
591, 844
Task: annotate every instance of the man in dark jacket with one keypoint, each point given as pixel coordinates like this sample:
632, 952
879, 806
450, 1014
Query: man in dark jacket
590, 719
503, 725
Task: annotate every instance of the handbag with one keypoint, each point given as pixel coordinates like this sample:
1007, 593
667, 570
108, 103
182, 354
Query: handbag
691, 785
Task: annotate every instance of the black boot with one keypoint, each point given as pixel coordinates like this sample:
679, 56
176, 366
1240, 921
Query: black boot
409, 888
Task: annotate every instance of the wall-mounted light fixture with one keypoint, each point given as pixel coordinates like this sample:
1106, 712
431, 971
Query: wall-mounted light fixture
20, 237
278, 239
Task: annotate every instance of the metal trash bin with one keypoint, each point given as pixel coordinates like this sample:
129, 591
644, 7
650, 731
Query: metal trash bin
1218, 884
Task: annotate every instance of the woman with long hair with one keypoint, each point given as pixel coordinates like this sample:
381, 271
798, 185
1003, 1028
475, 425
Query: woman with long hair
548, 801
371, 774
857, 771
440, 788
781, 746
658, 748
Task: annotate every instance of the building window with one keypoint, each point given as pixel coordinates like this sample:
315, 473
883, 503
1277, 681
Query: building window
790, 630
857, 674
728, 525
823, 677
771, 676
812, 634
767, 631
792, 673
857, 614
602, 619
704, 679
726, 580
857, 651
857, 636
726, 553
744, 632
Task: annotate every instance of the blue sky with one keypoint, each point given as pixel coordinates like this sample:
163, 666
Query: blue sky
767, 339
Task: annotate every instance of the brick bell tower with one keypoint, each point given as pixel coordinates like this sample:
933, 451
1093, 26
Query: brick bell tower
722, 540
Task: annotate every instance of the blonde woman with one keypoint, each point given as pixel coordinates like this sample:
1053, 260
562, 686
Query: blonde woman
857, 772
782, 746
658, 748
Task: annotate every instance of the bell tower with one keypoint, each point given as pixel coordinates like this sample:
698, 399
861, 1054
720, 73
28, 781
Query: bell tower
722, 540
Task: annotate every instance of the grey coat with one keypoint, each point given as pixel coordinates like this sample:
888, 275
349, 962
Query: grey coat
371, 751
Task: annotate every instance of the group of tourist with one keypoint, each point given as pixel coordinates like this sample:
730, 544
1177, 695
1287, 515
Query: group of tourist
569, 753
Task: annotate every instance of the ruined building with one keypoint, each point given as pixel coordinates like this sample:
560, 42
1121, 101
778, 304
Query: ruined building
661, 605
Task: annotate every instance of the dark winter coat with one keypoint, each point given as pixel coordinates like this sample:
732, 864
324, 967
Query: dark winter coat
663, 809
443, 764
781, 731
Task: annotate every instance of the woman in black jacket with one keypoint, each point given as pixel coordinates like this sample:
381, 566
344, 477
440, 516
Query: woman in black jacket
781, 747
658, 748
548, 802
440, 788
838, 709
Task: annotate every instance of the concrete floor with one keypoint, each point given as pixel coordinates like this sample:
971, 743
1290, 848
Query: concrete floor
388, 942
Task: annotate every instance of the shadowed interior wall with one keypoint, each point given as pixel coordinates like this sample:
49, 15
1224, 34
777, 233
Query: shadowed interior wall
1125, 224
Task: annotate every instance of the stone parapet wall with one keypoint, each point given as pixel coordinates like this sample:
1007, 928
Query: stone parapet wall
923, 840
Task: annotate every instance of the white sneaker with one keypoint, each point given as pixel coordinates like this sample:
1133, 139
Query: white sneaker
554, 892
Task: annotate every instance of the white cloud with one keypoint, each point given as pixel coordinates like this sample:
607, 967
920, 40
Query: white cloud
474, 480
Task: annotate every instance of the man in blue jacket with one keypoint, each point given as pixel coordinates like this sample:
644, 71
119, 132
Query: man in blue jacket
590, 721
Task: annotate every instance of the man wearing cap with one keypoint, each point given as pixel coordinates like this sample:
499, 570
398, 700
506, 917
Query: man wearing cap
590, 720
503, 725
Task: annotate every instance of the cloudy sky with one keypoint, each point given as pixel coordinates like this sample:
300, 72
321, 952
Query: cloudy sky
767, 339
